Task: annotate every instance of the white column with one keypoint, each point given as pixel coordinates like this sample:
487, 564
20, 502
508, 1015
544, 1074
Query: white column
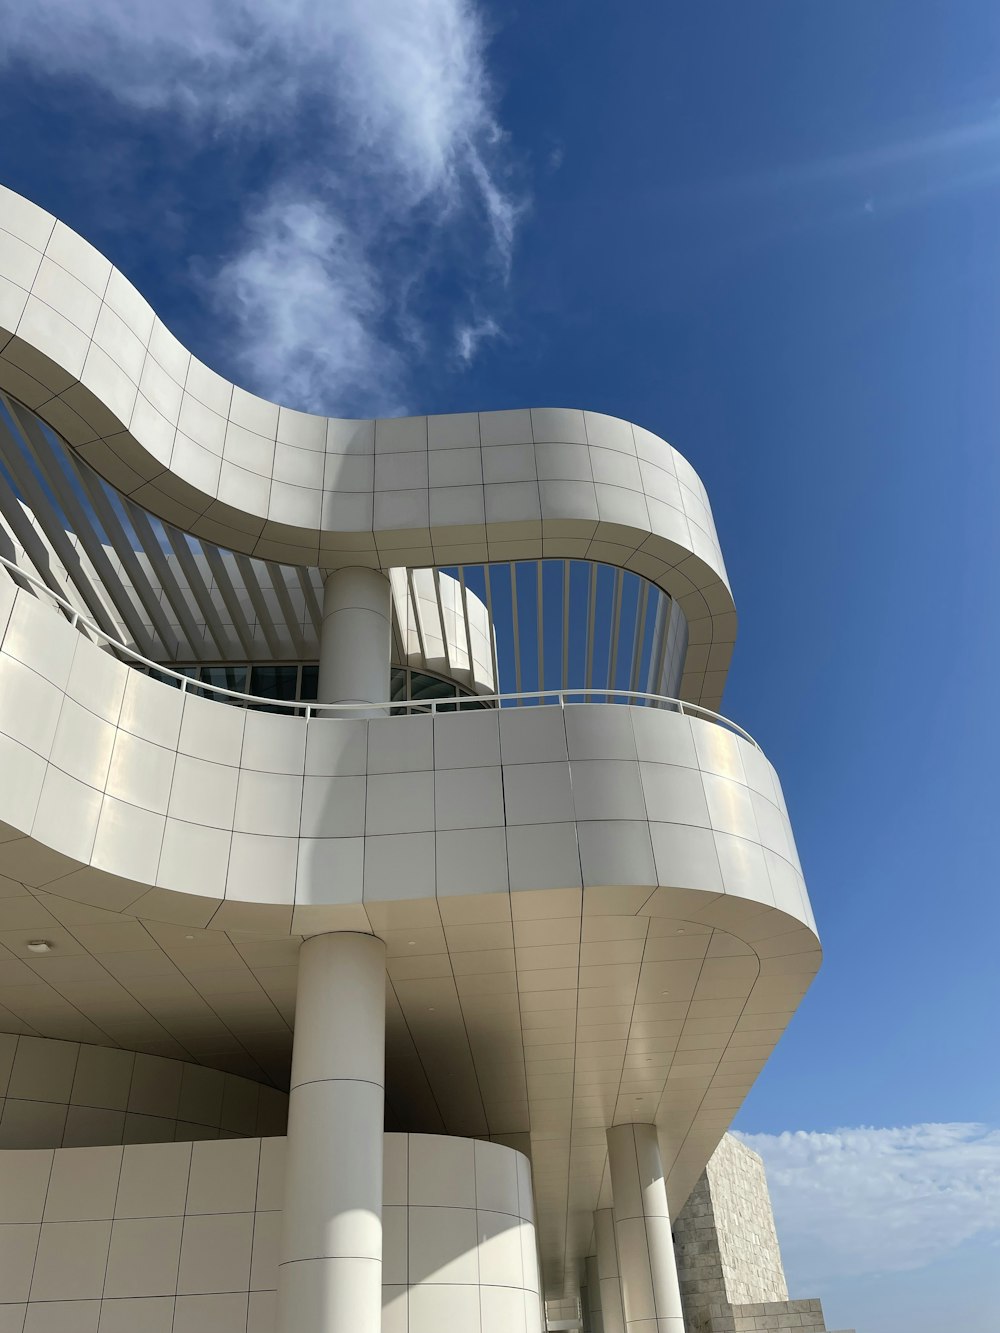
650, 1291
594, 1306
607, 1270
355, 642
330, 1275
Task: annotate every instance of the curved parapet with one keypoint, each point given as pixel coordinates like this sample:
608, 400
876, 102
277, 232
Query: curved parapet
458, 1236
80, 347
593, 909
122, 775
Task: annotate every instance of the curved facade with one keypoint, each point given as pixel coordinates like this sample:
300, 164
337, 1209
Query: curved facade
572, 921
184, 1237
69, 1094
82, 348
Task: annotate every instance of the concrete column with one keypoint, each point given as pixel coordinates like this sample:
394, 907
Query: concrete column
607, 1270
650, 1291
330, 1275
594, 1295
355, 642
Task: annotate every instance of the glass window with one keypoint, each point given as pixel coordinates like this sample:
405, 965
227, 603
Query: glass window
430, 687
273, 682
190, 671
309, 689
227, 677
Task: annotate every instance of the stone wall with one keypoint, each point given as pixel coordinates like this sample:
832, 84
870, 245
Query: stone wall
744, 1225
728, 1258
699, 1260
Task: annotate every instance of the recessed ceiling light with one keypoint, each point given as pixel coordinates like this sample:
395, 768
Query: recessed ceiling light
664, 992
39, 946
189, 937
411, 941
681, 930
430, 1009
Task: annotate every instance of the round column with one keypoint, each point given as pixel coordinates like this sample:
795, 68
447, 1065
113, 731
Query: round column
607, 1272
355, 644
594, 1307
330, 1274
650, 1291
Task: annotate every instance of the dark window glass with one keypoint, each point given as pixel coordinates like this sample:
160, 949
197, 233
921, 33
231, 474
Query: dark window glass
280, 681
429, 687
273, 682
190, 672
228, 677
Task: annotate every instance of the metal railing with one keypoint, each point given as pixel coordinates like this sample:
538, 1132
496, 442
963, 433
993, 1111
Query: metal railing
309, 709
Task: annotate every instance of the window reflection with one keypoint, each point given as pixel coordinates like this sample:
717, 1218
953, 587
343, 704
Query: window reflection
297, 683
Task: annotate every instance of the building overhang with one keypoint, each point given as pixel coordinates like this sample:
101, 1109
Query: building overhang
593, 913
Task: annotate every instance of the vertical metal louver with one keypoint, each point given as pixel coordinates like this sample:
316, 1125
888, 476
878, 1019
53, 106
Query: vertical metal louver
510, 627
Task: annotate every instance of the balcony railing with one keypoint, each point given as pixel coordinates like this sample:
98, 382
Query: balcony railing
307, 709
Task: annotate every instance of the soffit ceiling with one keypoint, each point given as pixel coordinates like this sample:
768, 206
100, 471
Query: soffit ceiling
538, 1028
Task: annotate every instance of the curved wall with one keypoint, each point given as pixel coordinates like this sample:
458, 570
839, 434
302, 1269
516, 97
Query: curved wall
123, 794
65, 1094
79, 346
269, 815
183, 1238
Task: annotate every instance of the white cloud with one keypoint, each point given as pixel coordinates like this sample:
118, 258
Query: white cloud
468, 336
383, 111
860, 1201
307, 306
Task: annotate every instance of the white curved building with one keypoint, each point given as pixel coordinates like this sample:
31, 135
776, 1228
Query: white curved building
377, 764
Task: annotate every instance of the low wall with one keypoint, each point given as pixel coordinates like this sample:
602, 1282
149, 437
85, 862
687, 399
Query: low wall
183, 1238
64, 1094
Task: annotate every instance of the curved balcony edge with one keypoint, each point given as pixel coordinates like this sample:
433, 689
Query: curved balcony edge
629, 856
83, 350
129, 794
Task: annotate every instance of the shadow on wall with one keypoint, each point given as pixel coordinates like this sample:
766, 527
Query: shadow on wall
183, 1238
64, 1094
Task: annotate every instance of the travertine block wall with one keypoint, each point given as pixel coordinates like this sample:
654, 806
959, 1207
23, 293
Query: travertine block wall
65, 1094
183, 1238
728, 1258
726, 1243
775, 1317
744, 1224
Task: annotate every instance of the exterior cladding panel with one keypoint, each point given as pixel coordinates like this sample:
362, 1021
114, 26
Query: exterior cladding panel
79, 346
67, 1094
183, 1238
579, 817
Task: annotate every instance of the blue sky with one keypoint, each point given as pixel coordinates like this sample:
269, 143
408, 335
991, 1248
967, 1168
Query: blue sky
767, 231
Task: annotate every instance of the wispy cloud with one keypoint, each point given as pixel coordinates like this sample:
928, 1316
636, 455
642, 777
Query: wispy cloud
864, 1201
310, 308
379, 115
470, 334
